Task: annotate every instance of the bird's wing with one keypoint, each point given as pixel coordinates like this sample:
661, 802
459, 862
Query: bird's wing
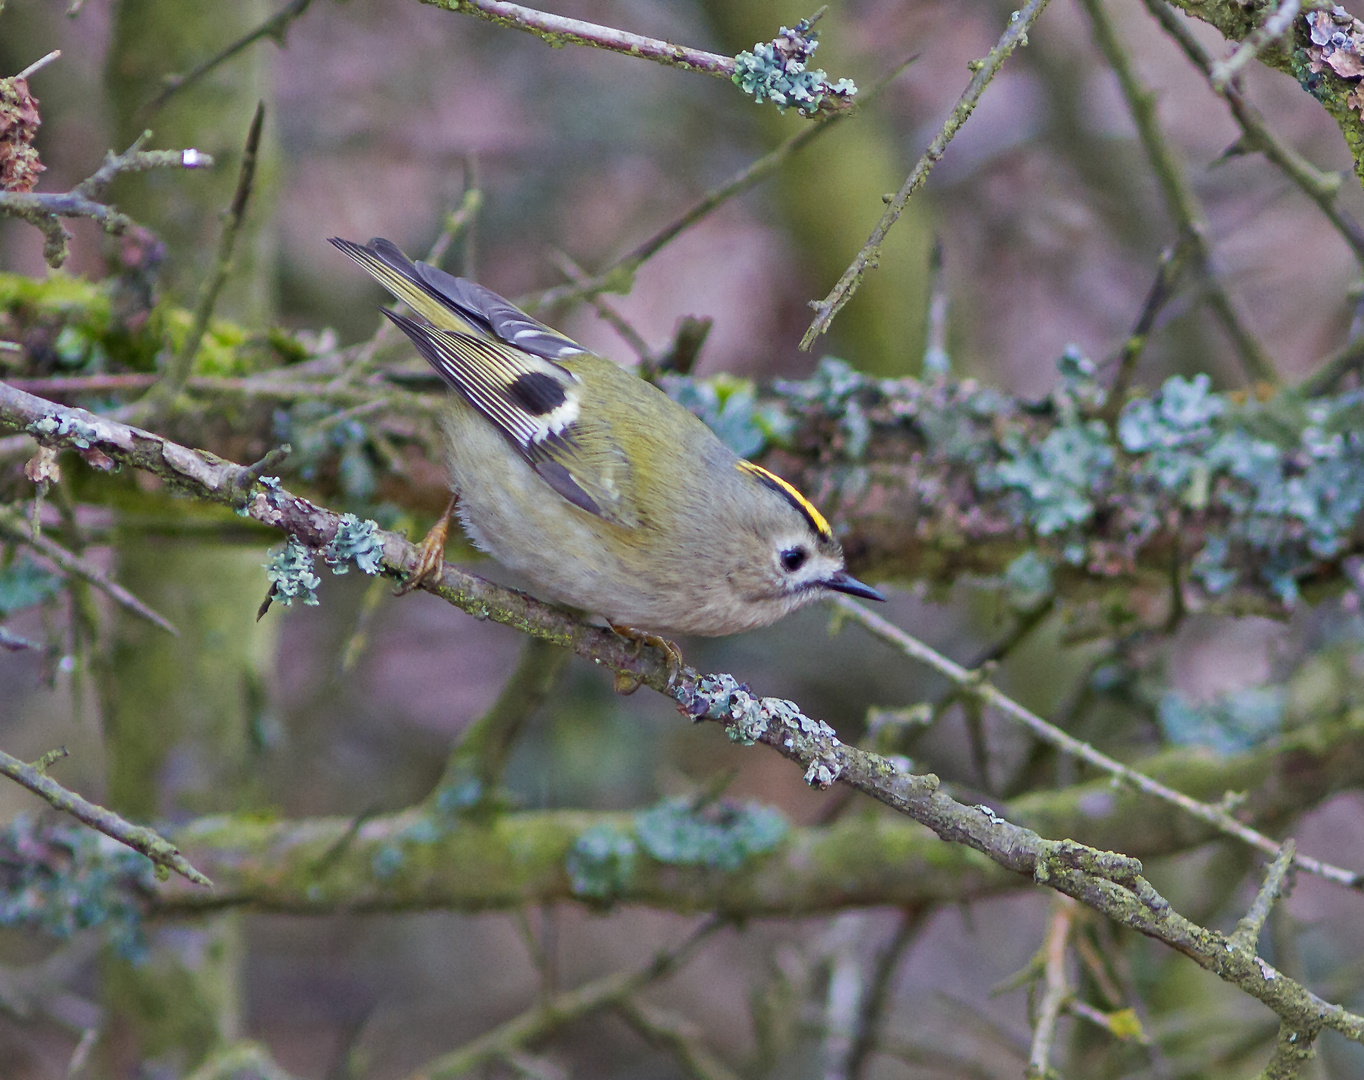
454, 303
535, 404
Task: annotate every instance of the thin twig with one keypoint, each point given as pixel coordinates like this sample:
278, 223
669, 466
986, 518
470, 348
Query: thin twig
39, 64
1213, 815
157, 848
1333, 369
843, 993
675, 1035
1180, 201
1056, 985
177, 371
1278, 883
1168, 272
605, 311
486, 744
86, 200
1020, 22
564, 1008
1254, 43
618, 276
71, 564
558, 30
937, 360
1323, 188
275, 27
877, 997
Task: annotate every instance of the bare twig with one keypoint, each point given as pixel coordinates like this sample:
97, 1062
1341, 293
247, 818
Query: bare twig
558, 30
1056, 987
276, 27
683, 1040
13, 526
937, 360
39, 64
605, 311
177, 371
563, 1009
1171, 266
843, 993
1020, 22
1322, 188
1278, 882
486, 744
45, 210
1334, 368
973, 684
1273, 28
1180, 201
877, 996
618, 276
159, 850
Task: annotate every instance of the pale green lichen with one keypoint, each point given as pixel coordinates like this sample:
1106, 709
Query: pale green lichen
290, 570
778, 71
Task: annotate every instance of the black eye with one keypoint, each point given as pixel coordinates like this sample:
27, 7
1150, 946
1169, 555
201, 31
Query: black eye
792, 559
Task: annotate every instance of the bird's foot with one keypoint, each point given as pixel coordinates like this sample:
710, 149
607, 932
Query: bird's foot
628, 684
430, 553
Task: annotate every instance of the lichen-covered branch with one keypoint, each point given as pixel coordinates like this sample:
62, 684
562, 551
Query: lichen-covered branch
161, 851
1322, 188
427, 858
1257, 501
1288, 52
1110, 883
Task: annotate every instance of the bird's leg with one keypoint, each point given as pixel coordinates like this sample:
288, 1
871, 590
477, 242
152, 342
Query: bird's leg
628, 684
430, 552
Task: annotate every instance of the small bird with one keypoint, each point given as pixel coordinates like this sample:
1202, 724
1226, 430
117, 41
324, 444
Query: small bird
597, 487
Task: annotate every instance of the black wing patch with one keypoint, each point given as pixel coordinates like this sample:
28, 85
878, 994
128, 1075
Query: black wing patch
537, 393
533, 403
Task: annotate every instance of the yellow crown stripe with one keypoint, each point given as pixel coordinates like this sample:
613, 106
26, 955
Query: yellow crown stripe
799, 501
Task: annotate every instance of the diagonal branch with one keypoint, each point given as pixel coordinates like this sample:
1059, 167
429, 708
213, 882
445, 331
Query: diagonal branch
559, 30
1322, 188
973, 684
1110, 883
160, 850
1180, 201
1017, 34
69, 563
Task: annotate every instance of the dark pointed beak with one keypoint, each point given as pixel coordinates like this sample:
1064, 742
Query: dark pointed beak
844, 582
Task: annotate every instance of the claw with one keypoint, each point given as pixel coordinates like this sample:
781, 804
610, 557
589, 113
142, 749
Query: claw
430, 553
627, 684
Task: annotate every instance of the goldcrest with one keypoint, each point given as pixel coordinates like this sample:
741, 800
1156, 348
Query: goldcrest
594, 485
